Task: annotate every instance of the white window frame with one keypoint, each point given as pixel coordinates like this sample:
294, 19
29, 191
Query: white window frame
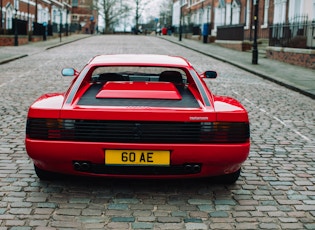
219, 14
247, 20
9, 17
16, 4
39, 13
295, 9
236, 12
266, 10
279, 11
227, 20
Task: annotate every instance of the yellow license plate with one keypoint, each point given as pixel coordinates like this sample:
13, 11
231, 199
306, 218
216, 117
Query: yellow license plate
137, 157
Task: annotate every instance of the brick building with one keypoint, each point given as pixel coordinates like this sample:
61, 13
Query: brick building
40, 19
233, 20
85, 15
47, 12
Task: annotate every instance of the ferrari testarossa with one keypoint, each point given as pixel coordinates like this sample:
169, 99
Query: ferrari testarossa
138, 116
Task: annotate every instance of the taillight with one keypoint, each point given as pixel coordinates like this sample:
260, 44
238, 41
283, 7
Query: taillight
139, 132
50, 129
53, 128
225, 132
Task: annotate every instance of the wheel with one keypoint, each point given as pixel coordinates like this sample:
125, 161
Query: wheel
45, 175
228, 178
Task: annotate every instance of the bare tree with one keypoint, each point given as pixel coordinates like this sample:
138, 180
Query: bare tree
166, 12
113, 11
140, 6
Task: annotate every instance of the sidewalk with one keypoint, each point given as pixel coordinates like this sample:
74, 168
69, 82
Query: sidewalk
293, 77
10, 53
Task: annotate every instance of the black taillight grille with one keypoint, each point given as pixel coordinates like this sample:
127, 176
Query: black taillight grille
138, 131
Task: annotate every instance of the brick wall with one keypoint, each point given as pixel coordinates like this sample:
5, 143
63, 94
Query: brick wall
37, 38
300, 57
9, 40
235, 45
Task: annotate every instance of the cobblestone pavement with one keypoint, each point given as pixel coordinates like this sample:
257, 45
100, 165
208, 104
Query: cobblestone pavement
275, 191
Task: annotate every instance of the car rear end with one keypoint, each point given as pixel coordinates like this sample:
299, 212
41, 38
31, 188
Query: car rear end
138, 129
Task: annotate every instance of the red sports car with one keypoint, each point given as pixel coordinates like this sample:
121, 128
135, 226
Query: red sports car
138, 116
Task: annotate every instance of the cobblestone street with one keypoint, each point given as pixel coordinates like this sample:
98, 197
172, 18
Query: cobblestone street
276, 189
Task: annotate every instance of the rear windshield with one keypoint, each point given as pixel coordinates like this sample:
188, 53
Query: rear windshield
135, 73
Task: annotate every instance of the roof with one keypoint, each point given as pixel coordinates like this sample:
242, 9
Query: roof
140, 59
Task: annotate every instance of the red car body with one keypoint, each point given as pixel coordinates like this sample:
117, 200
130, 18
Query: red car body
129, 116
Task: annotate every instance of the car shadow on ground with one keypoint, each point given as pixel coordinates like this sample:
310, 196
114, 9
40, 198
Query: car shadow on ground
130, 187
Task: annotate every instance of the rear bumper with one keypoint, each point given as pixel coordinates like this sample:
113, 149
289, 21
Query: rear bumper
214, 159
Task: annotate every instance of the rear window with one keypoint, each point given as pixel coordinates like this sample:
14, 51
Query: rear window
137, 73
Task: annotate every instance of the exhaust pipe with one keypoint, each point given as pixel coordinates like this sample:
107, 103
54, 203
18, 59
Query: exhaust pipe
85, 166
81, 166
192, 168
77, 166
188, 168
196, 168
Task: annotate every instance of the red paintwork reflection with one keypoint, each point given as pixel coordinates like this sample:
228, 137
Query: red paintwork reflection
148, 90
227, 104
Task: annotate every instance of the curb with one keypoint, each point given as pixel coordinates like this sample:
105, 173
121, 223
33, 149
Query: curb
12, 58
7, 60
64, 43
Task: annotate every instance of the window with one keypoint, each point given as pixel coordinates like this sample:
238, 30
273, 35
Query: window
39, 13
16, 4
54, 14
9, 16
266, 9
295, 10
247, 16
75, 3
236, 11
219, 15
206, 15
279, 11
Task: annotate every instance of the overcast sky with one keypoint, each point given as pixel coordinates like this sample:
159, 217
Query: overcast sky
153, 9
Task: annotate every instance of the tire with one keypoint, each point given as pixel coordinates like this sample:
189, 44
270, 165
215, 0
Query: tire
228, 178
45, 175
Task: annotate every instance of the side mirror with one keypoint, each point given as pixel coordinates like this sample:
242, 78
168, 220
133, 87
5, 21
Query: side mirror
209, 74
69, 72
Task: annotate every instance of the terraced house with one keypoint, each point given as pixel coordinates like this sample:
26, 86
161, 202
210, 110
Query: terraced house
231, 23
22, 21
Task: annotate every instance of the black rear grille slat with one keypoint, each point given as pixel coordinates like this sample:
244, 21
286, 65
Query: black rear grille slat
138, 131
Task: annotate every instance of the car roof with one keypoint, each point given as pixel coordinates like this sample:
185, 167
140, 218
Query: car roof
140, 59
